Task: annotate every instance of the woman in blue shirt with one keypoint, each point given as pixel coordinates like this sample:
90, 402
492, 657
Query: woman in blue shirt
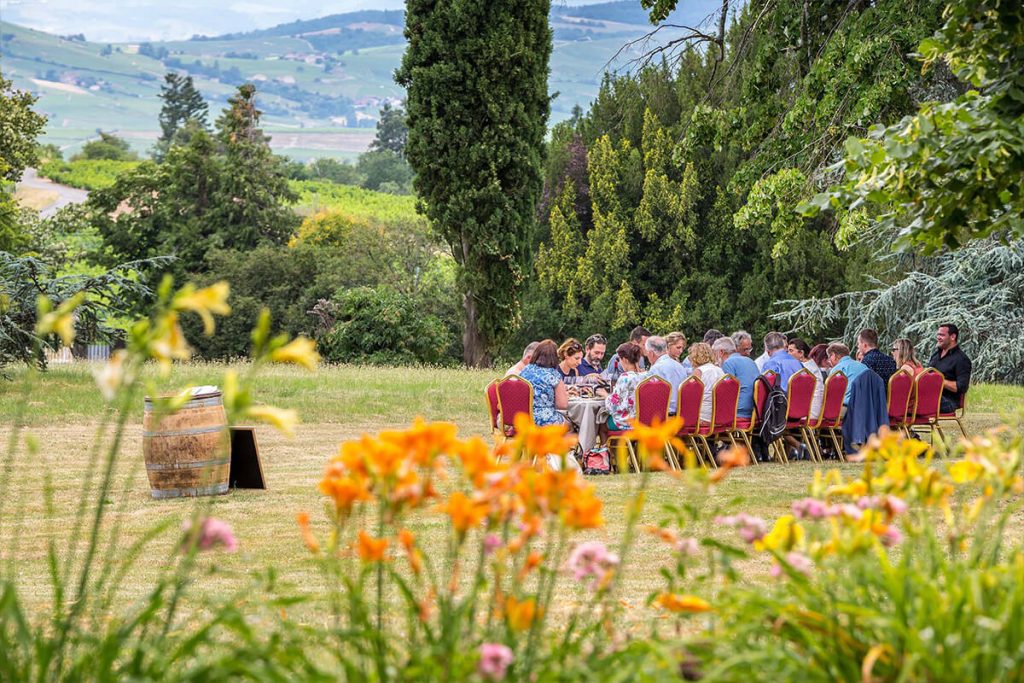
549, 392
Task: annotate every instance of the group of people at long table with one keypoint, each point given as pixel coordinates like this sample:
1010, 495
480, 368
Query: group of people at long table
557, 372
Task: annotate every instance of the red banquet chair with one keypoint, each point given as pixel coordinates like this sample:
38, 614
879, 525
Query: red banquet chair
927, 396
799, 395
491, 396
901, 389
725, 396
957, 415
830, 422
515, 397
688, 400
745, 427
652, 399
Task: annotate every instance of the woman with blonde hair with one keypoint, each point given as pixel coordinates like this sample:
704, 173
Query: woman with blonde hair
906, 359
703, 360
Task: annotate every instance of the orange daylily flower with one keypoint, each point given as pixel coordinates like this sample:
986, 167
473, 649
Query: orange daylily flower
344, 489
423, 441
658, 436
520, 615
307, 534
583, 510
476, 458
465, 512
686, 604
541, 441
533, 560
736, 456
371, 549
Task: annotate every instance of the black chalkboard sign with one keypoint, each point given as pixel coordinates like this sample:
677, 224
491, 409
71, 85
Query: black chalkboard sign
246, 469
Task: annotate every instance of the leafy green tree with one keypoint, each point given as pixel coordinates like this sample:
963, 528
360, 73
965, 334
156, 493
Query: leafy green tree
109, 147
477, 109
378, 168
223, 192
335, 171
952, 171
392, 131
20, 125
182, 103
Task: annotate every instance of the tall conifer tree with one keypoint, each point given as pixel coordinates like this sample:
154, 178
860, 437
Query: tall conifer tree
182, 103
476, 76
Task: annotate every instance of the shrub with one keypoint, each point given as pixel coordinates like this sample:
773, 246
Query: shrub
87, 174
381, 325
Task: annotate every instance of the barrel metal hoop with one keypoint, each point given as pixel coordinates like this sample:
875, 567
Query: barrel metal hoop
194, 465
185, 432
200, 491
205, 402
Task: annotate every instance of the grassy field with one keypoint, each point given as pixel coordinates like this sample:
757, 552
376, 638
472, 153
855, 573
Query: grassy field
336, 404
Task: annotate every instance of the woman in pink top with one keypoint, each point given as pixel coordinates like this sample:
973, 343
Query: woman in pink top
903, 354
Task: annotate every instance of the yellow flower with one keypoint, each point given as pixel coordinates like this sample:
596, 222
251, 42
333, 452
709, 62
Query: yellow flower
965, 471
685, 604
111, 377
300, 351
205, 302
61, 321
281, 419
853, 489
784, 536
169, 345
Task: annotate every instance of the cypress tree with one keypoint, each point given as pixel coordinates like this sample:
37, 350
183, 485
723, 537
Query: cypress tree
476, 76
182, 103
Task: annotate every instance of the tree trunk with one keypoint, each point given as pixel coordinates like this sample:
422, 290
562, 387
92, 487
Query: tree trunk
474, 354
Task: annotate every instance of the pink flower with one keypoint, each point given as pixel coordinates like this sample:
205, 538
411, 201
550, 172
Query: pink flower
591, 559
847, 510
895, 506
750, 528
688, 546
890, 537
495, 659
491, 543
809, 508
212, 533
797, 561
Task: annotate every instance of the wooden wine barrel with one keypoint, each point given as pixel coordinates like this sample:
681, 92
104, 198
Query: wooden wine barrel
188, 453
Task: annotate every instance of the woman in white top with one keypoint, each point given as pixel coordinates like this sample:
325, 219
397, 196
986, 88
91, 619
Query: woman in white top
799, 349
704, 367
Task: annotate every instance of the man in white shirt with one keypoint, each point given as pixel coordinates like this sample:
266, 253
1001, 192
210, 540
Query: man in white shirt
663, 366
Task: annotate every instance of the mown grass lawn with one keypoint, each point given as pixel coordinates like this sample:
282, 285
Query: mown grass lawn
336, 403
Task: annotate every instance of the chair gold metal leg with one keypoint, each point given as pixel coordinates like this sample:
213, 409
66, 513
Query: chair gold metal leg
632, 457
961, 426
749, 446
707, 449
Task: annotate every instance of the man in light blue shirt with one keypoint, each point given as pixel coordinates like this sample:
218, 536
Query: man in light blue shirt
779, 360
663, 366
839, 357
742, 368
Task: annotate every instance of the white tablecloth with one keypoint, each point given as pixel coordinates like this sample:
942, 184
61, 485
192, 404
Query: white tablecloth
587, 414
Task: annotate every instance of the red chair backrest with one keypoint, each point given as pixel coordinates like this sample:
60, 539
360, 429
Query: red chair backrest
760, 394
652, 399
832, 402
800, 394
927, 394
515, 396
691, 393
491, 392
725, 396
901, 386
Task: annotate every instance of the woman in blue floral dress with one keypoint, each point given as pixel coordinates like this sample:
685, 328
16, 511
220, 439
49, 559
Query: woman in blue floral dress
549, 392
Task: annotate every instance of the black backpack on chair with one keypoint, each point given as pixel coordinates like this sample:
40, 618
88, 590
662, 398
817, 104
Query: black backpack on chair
771, 419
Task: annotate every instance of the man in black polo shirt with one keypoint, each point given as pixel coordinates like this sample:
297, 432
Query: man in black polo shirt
954, 365
883, 365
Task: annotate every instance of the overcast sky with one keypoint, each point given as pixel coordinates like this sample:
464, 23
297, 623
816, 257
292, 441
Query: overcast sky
129, 20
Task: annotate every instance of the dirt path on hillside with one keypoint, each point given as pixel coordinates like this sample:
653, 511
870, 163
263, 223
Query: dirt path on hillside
65, 195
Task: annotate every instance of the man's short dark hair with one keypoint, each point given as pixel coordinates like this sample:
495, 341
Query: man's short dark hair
638, 333
711, 336
595, 339
952, 330
869, 337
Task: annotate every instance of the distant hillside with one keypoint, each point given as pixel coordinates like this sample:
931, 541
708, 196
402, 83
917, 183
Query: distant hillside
321, 81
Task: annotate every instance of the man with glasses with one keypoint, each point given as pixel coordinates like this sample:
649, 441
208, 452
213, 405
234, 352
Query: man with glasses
595, 348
